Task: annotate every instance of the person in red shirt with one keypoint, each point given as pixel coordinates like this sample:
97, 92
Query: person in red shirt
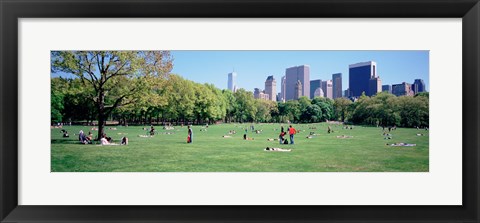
292, 132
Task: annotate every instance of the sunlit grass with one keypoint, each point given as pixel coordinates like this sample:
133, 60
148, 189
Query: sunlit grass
210, 152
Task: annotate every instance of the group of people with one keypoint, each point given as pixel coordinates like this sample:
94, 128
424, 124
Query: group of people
104, 140
291, 131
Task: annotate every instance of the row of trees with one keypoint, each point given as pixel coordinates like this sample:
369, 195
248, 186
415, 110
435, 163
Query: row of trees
180, 100
136, 87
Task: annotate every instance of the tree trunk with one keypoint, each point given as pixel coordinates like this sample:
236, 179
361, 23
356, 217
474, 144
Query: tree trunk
101, 114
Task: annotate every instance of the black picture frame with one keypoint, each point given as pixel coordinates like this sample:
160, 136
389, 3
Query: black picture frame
11, 11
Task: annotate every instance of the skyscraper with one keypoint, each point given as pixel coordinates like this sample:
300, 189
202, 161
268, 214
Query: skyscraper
257, 94
293, 75
314, 86
298, 90
282, 88
232, 78
387, 88
359, 77
402, 89
375, 86
418, 86
271, 88
337, 85
327, 88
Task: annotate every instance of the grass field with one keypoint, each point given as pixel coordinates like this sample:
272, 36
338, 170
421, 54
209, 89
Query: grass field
210, 152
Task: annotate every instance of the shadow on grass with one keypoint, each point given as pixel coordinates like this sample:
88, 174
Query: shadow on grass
64, 141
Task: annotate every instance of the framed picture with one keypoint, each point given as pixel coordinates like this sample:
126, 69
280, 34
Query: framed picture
119, 111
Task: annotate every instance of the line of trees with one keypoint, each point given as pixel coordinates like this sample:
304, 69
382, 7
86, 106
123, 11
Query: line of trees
136, 87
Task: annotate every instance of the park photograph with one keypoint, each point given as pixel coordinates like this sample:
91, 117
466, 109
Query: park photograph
239, 111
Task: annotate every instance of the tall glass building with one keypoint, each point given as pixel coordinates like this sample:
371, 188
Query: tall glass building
418, 86
293, 74
359, 77
232, 78
337, 85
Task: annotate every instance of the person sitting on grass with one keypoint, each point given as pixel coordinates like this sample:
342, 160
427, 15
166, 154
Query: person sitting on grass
104, 142
90, 136
281, 137
152, 130
246, 138
109, 139
82, 138
277, 149
124, 141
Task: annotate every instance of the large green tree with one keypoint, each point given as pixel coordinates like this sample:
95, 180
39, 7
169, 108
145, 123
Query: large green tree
117, 77
342, 106
245, 109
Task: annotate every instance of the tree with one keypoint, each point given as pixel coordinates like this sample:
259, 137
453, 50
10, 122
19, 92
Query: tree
117, 77
245, 108
413, 111
342, 107
56, 106
313, 113
230, 106
327, 107
265, 109
292, 110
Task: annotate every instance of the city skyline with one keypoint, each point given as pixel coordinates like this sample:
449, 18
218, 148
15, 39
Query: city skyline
253, 67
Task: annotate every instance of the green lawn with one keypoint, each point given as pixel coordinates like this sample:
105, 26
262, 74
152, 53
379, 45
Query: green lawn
210, 152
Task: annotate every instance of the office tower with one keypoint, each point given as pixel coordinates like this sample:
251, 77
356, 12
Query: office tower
282, 88
346, 93
337, 85
257, 94
232, 78
271, 88
293, 75
359, 76
327, 88
418, 86
298, 90
314, 86
375, 86
402, 89
387, 88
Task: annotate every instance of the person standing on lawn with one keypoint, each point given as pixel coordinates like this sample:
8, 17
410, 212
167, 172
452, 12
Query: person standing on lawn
190, 134
292, 132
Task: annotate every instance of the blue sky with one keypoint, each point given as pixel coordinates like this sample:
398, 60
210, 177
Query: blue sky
253, 67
